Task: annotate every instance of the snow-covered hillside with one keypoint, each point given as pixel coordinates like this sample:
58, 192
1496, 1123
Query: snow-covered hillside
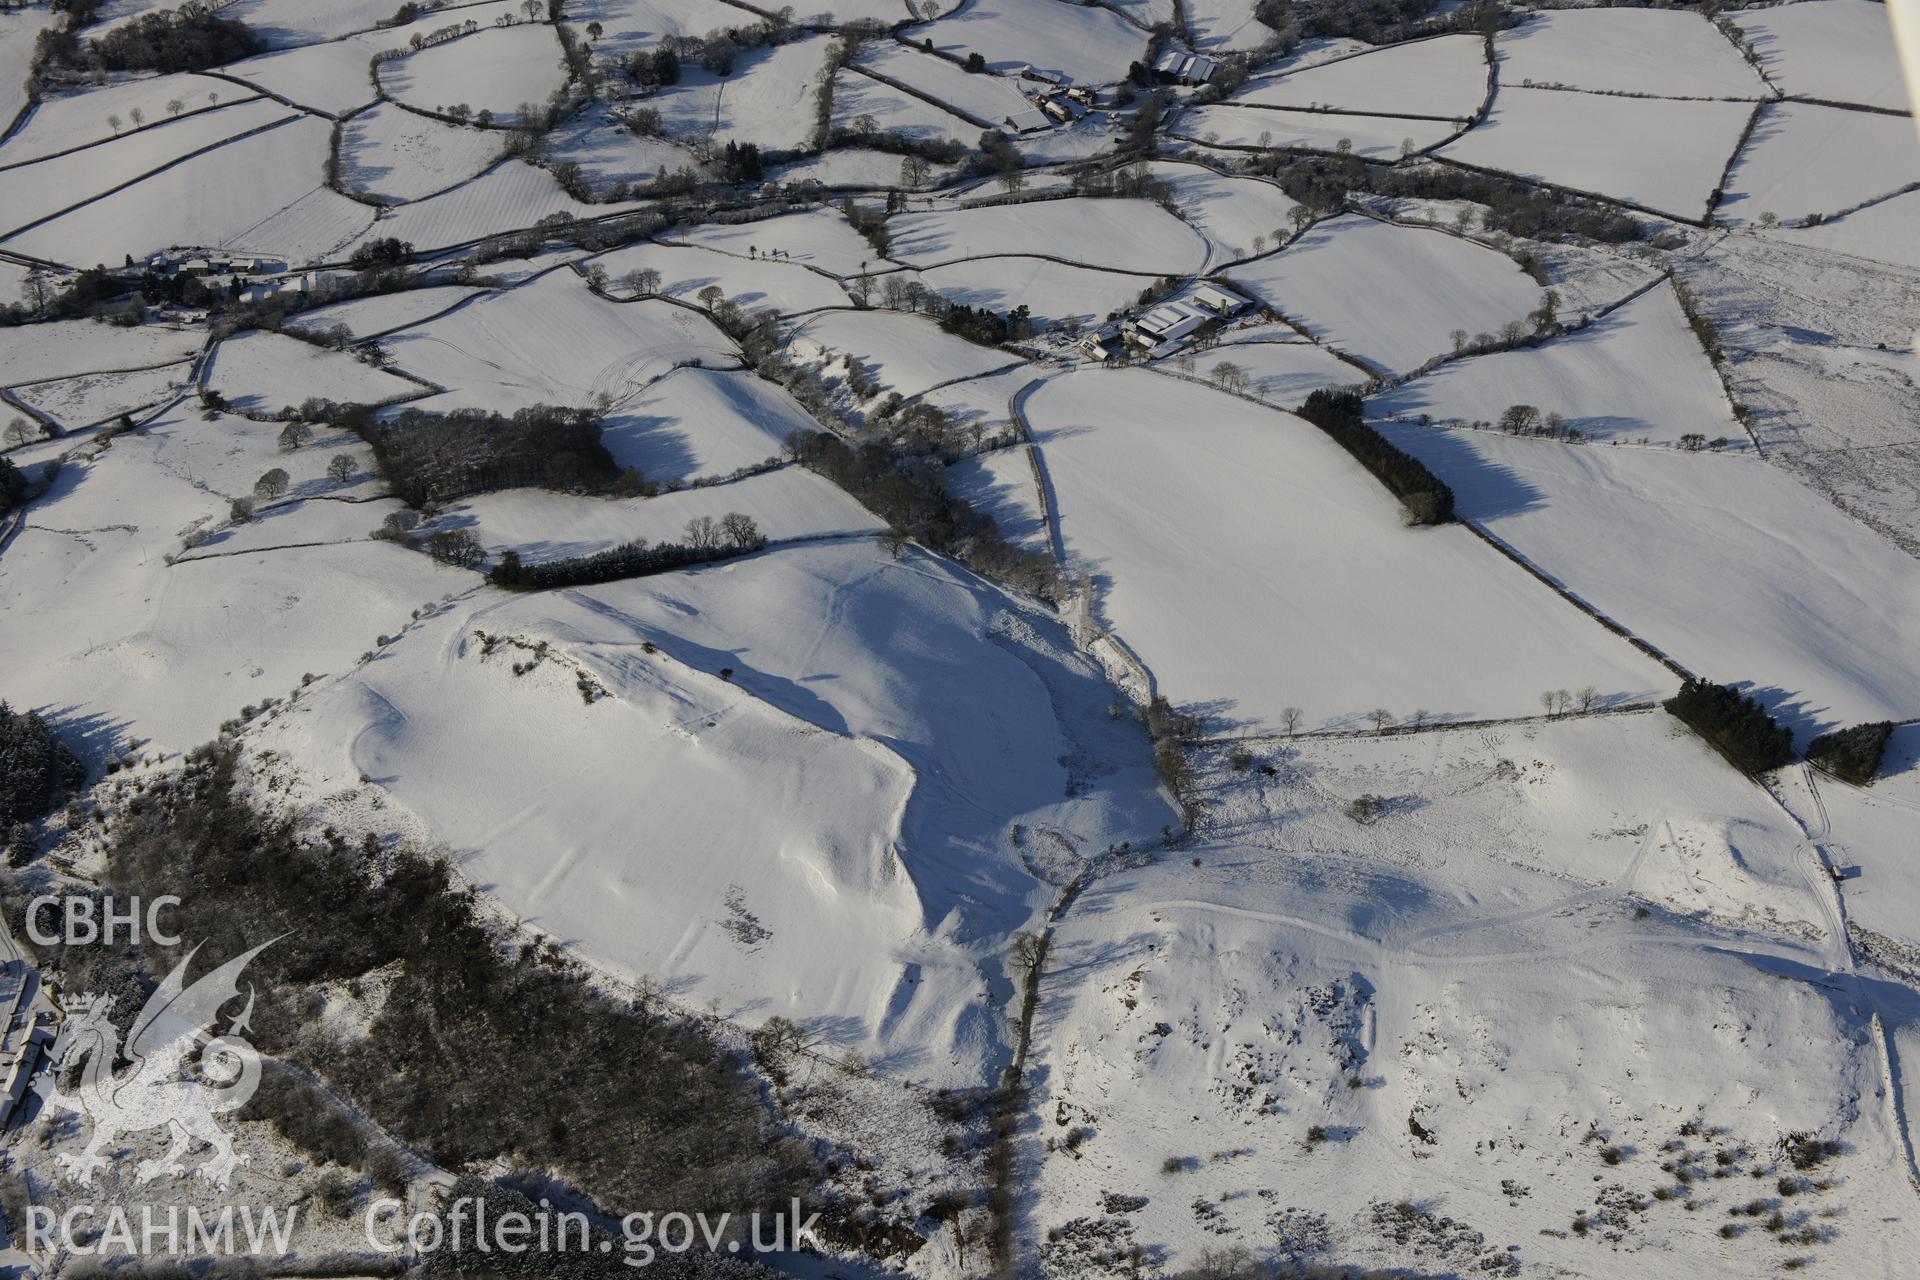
1155, 639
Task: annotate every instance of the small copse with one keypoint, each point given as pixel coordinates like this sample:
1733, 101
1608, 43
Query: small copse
1736, 725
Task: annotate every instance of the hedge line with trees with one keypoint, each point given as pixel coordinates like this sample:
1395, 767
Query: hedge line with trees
1427, 497
909, 492
1323, 183
1734, 724
707, 540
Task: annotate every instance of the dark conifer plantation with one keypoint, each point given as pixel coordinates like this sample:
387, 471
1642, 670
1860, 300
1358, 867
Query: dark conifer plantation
37, 770
1738, 727
1852, 754
1338, 413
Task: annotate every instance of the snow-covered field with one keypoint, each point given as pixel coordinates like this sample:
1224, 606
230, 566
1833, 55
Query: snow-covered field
265, 194
332, 77
1672, 53
500, 70
1123, 235
767, 99
609, 152
380, 312
1446, 77
786, 505
1666, 156
299, 22
629, 26
1886, 232
1283, 373
1051, 291
18, 31
138, 649
1377, 137
981, 97
1726, 564
71, 347
1002, 484
95, 397
1806, 159
1081, 43
398, 155
262, 372
864, 105
33, 192
1220, 25
698, 423
511, 196
754, 283
818, 238
1637, 375
1869, 835
983, 404
1837, 50
1176, 864
851, 169
1222, 535
1389, 295
903, 353
1238, 216
552, 341
62, 122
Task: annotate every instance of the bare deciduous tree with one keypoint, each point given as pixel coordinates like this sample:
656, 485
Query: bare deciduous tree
740, 530
1029, 949
272, 484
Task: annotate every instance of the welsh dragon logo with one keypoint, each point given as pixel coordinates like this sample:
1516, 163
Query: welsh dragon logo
182, 1076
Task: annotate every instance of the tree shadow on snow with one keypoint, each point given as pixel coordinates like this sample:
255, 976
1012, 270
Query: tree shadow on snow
88, 734
1483, 489
659, 446
1790, 709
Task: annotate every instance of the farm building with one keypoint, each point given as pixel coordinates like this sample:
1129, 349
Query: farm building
1220, 300
1166, 328
1174, 67
1032, 120
1098, 345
